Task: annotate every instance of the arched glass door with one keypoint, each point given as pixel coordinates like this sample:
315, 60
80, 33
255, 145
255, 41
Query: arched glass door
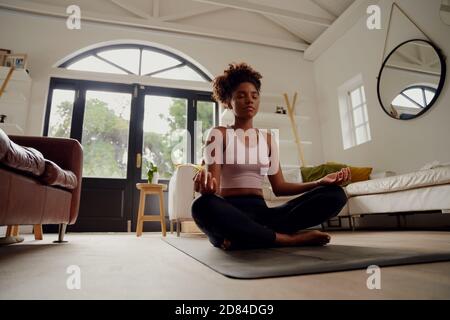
122, 128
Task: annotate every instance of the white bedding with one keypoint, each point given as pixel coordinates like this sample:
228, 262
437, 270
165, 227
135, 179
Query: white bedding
419, 199
418, 179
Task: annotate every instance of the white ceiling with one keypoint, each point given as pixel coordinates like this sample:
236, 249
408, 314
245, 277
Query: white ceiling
292, 24
416, 56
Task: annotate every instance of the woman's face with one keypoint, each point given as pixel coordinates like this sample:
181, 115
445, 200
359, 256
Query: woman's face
245, 101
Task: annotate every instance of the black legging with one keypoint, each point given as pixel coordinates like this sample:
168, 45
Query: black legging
247, 222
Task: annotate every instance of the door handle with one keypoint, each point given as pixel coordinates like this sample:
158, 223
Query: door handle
138, 160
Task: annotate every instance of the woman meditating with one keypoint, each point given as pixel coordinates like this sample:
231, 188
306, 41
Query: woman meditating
231, 210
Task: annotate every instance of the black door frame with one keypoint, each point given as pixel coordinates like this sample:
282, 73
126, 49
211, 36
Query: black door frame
135, 142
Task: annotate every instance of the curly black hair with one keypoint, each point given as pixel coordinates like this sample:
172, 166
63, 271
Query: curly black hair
237, 73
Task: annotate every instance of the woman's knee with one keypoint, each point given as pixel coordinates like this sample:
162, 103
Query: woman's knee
337, 194
202, 205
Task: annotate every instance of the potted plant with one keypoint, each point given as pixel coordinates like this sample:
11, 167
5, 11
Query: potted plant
152, 173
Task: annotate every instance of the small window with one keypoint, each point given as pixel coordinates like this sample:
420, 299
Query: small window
354, 115
153, 62
416, 97
411, 101
128, 59
136, 60
94, 64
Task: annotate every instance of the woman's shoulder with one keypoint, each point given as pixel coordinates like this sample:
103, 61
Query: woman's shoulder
218, 131
221, 129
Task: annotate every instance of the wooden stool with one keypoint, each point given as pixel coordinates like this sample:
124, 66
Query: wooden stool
147, 189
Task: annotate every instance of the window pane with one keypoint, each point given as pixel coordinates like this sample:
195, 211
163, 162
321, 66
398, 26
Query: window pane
105, 134
165, 135
358, 116
369, 136
182, 73
366, 116
355, 96
363, 94
125, 58
94, 64
61, 113
154, 61
361, 135
416, 95
205, 121
401, 101
429, 95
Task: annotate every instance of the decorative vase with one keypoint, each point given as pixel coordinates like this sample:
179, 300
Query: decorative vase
155, 178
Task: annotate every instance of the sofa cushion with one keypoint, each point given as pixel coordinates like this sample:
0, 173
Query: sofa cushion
31, 161
55, 176
310, 174
360, 174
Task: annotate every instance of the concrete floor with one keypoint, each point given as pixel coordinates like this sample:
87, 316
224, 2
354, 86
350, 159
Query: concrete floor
121, 266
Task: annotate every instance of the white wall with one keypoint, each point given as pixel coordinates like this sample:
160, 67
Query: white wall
401, 146
46, 40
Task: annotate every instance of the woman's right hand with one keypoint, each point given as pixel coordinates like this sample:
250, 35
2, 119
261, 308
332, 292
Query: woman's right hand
205, 183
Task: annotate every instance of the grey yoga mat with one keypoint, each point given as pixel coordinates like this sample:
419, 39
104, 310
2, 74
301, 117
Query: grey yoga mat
290, 261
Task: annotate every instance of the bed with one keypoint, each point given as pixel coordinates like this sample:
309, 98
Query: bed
416, 192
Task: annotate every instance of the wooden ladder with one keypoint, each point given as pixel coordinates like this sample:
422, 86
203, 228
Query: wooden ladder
291, 112
7, 79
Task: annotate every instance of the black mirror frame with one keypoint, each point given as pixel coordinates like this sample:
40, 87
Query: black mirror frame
438, 90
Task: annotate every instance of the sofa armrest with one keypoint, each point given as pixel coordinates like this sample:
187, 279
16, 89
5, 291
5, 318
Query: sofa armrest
66, 153
181, 192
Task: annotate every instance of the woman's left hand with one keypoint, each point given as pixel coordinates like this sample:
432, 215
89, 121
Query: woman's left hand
336, 178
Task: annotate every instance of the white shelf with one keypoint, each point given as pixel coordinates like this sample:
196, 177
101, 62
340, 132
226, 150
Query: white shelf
271, 94
13, 98
280, 97
14, 101
18, 75
292, 143
11, 129
277, 118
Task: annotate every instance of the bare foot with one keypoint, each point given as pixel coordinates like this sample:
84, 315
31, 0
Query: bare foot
305, 238
226, 244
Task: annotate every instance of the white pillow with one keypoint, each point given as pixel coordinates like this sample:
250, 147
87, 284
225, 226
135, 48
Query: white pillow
292, 175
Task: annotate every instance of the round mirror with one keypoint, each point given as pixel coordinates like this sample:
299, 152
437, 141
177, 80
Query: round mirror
411, 79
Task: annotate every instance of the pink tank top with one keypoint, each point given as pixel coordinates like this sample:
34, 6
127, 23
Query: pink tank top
248, 165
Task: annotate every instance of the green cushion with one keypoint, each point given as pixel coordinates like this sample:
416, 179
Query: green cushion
310, 174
